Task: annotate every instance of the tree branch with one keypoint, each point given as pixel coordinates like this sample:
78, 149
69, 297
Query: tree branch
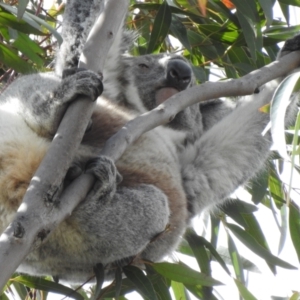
40, 211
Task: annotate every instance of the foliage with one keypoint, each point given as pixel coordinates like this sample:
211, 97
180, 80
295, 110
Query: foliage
235, 37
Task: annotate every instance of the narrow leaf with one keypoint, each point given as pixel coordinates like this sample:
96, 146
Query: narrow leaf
294, 224
141, 281
244, 291
99, 272
184, 274
180, 32
235, 259
46, 285
12, 60
34, 21
160, 284
21, 8
267, 6
279, 104
161, 27
252, 244
118, 282
178, 290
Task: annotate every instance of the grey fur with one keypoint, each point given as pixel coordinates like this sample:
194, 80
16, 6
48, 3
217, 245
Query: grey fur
179, 170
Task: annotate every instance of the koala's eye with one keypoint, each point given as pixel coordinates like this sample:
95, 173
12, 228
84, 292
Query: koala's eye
143, 67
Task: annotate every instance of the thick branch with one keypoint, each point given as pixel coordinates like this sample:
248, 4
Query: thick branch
165, 112
38, 213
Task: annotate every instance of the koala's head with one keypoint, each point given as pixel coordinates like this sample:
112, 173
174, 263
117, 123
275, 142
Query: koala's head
147, 81
157, 77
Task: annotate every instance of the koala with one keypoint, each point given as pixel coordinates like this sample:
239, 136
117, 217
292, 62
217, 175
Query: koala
141, 205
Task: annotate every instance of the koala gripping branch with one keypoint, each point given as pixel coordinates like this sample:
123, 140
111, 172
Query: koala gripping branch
35, 218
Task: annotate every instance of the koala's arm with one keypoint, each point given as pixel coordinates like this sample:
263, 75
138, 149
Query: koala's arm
214, 111
41, 99
230, 152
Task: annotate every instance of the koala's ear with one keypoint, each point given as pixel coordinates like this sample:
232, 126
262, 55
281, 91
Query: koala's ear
128, 39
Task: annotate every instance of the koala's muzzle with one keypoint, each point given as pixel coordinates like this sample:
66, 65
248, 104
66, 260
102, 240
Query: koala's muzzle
179, 74
178, 78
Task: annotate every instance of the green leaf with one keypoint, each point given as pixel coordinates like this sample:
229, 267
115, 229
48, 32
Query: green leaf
198, 246
234, 209
280, 102
267, 6
9, 20
99, 272
179, 31
178, 290
249, 33
294, 225
161, 27
252, 244
290, 2
110, 291
254, 229
10, 59
28, 47
34, 21
283, 227
21, 8
196, 241
235, 259
184, 274
259, 187
247, 8
141, 281
275, 188
160, 284
285, 9
118, 282
295, 296
215, 228
244, 291
46, 285
199, 251
21, 289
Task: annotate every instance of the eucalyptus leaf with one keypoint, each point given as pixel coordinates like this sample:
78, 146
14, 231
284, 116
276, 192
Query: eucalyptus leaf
46, 285
251, 243
184, 274
21, 8
294, 225
280, 102
244, 292
161, 27
141, 281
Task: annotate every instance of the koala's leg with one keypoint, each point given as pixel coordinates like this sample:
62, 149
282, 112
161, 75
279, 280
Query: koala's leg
122, 220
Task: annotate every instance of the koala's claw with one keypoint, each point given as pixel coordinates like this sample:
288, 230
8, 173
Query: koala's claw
107, 177
85, 82
74, 171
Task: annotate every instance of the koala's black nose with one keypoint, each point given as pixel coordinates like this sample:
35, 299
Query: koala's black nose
179, 74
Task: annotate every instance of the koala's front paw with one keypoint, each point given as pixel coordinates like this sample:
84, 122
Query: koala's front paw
107, 177
82, 82
290, 45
